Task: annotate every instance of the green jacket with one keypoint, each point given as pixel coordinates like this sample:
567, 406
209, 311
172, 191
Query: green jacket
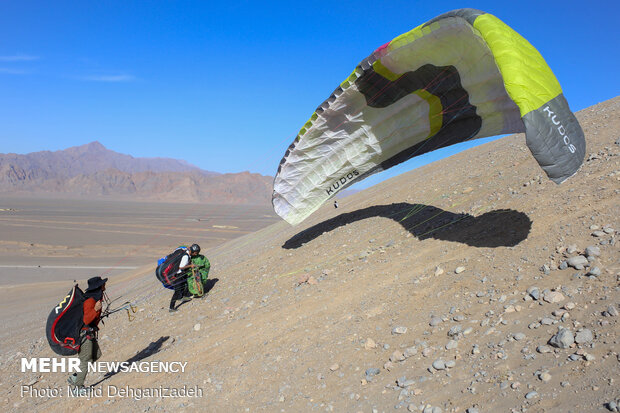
202, 272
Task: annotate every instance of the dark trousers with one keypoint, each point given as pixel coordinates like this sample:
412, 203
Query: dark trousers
180, 290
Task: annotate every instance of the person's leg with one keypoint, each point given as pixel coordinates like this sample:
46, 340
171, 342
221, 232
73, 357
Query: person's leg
85, 355
96, 350
178, 294
180, 289
184, 289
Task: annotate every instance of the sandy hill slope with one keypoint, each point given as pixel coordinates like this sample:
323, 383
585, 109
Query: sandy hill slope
436, 291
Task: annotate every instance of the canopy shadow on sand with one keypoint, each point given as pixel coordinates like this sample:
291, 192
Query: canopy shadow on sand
498, 228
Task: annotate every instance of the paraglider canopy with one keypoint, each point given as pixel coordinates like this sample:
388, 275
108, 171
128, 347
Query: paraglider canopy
463, 75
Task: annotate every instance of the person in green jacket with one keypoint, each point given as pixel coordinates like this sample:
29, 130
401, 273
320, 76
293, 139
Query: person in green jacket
197, 281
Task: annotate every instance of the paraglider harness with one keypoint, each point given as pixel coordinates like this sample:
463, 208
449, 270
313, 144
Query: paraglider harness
65, 329
168, 266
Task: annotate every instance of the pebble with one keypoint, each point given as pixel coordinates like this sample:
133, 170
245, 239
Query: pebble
452, 344
410, 351
547, 321
544, 349
531, 395
435, 321
438, 271
403, 382
563, 339
612, 406
334, 367
534, 292
450, 364
439, 364
545, 377
594, 271
593, 251
584, 336
370, 344
399, 330
459, 270
397, 356
472, 410
553, 297
519, 336
373, 371
197, 327
612, 311
455, 331
578, 262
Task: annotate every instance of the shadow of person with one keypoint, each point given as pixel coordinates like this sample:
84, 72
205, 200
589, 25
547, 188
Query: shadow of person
151, 349
498, 228
209, 284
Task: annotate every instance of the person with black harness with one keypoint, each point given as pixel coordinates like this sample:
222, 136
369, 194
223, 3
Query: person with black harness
180, 285
89, 348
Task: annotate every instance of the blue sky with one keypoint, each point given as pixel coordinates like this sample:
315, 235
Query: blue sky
228, 86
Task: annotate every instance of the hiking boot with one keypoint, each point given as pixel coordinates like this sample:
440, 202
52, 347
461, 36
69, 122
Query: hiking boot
172, 310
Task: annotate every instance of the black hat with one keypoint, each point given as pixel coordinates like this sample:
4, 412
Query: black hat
96, 283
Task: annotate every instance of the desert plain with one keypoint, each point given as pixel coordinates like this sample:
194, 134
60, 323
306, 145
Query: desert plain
441, 290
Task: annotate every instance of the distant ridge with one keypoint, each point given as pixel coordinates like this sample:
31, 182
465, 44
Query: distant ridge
93, 170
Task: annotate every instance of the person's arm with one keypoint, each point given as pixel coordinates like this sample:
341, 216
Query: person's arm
188, 263
91, 313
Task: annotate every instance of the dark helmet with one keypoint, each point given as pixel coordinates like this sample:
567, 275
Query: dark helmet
195, 248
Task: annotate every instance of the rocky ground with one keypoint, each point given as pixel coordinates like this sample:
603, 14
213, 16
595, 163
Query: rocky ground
473, 284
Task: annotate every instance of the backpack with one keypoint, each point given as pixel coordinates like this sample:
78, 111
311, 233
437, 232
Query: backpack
65, 322
166, 271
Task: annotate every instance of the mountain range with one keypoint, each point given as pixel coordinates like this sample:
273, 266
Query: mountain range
93, 170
